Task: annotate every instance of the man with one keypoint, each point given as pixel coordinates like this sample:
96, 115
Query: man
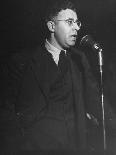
56, 99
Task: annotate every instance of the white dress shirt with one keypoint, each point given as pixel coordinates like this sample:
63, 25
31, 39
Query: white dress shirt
53, 50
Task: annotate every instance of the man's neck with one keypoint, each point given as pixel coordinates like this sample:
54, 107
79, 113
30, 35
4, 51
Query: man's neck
54, 43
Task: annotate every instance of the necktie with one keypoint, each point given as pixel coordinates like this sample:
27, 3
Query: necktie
63, 62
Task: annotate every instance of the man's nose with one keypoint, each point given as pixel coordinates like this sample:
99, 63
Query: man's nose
76, 27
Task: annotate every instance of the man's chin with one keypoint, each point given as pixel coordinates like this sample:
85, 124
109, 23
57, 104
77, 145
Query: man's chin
72, 44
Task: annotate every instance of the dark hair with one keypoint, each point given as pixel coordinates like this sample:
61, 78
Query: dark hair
56, 7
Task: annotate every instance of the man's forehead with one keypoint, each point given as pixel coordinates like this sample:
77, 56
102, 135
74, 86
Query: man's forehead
68, 13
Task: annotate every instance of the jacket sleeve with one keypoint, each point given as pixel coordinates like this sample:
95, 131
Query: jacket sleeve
92, 93
30, 103
25, 92
91, 89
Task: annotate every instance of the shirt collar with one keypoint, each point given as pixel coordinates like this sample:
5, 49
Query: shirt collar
53, 50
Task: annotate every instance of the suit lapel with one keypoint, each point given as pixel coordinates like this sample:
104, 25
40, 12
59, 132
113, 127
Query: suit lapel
45, 69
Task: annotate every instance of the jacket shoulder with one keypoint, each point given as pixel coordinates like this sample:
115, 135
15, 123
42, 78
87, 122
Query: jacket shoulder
80, 59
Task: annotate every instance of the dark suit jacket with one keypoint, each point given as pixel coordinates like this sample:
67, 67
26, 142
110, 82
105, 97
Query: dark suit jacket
32, 97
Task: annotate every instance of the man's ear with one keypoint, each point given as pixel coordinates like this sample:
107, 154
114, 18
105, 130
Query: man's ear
51, 26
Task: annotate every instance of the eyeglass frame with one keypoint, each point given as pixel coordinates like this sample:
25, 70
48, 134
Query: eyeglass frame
78, 22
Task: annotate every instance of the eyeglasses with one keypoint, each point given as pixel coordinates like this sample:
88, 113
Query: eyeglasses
70, 22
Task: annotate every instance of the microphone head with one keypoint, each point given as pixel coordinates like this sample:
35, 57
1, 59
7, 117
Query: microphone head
87, 40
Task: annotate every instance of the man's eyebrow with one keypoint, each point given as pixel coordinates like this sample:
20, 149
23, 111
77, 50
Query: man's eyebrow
70, 18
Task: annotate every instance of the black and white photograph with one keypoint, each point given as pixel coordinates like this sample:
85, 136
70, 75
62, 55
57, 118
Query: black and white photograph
58, 77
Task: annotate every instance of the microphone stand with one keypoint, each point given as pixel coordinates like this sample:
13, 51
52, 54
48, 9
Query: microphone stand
87, 40
102, 96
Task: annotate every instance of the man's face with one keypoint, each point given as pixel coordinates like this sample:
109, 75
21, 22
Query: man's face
65, 33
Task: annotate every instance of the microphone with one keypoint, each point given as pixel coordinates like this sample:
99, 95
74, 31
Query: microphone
87, 40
